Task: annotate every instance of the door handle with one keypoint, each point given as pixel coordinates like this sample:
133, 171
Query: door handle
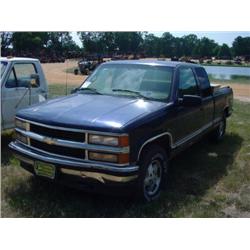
42, 91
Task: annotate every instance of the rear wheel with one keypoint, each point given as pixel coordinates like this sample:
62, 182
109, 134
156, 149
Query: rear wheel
153, 170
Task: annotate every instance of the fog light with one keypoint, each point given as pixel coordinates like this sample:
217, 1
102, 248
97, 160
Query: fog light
103, 157
115, 158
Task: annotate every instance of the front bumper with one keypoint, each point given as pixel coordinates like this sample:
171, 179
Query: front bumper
100, 172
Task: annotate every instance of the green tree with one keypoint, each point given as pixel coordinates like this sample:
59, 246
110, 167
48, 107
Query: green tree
167, 44
241, 46
224, 51
107, 42
205, 47
151, 45
57, 41
128, 42
29, 41
189, 43
90, 41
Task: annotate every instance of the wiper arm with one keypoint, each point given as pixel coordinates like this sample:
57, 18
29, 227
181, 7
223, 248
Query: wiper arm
93, 90
131, 91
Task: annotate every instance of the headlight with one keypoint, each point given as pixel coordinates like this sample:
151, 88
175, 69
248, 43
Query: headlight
109, 140
21, 124
115, 158
21, 138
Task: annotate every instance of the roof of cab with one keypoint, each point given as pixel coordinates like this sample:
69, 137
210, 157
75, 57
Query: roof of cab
16, 59
154, 63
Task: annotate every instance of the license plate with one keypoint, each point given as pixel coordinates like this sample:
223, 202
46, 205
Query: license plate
45, 169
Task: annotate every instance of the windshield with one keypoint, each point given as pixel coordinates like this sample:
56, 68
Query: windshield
3, 67
151, 82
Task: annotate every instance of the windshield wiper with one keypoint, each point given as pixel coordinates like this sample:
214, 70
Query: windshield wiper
131, 91
93, 90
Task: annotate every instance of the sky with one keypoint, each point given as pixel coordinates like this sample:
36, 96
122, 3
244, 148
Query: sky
219, 37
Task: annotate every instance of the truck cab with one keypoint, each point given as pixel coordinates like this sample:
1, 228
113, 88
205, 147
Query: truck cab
22, 84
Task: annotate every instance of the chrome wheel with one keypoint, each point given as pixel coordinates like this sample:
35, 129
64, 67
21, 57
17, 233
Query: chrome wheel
153, 177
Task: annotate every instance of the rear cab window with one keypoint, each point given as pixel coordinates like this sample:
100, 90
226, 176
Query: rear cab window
187, 82
203, 81
21, 76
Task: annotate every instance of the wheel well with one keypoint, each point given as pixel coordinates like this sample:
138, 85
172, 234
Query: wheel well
226, 111
163, 141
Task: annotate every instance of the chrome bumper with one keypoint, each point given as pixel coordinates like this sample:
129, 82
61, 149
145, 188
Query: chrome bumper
82, 168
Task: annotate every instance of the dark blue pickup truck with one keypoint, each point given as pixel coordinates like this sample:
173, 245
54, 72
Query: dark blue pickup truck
122, 125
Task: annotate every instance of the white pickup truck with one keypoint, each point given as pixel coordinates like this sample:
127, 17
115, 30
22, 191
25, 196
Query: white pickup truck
22, 84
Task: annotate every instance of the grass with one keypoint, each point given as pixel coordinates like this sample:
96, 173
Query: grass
56, 90
207, 180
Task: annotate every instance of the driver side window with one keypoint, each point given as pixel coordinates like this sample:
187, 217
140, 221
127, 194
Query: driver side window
187, 82
20, 76
11, 82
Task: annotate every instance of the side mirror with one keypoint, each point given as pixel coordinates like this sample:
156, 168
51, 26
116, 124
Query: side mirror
34, 79
74, 90
190, 100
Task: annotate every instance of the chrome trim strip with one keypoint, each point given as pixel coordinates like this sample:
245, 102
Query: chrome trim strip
101, 177
154, 138
217, 120
181, 141
73, 144
61, 161
192, 135
73, 129
70, 158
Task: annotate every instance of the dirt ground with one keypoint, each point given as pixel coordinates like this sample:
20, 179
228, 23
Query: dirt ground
56, 74
241, 91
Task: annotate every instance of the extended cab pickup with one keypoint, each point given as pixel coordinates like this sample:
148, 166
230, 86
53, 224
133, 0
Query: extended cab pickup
22, 84
122, 125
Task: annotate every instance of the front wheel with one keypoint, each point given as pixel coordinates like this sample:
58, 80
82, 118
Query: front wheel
153, 170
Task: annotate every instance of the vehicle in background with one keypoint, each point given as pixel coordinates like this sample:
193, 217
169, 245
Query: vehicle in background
22, 84
123, 125
89, 64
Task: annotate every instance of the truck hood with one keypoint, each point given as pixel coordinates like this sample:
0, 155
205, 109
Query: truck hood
90, 111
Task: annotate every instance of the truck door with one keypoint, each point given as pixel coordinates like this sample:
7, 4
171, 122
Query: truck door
188, 119
16, 92
207, 96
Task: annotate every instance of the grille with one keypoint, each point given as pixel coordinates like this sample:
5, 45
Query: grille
60, 150
56, 133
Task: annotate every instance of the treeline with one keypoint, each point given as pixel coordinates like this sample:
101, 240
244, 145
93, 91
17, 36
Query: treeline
165, 46
47, 46
144, 44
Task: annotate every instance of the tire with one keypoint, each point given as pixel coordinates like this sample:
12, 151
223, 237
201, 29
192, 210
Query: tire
152, 173
219, 132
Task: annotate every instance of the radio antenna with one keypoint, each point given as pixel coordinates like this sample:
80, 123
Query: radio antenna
66, 76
